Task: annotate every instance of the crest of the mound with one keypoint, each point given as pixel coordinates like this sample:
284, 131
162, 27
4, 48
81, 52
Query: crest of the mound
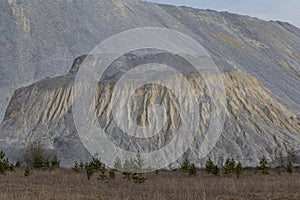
91, 70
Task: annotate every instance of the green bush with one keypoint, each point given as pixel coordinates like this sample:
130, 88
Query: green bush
95, 165
76, 167
289, 168
185, 165
18, 164
89, 169
27, 171
192, 170
55, 163
40, 161
209, 166
133, 169
263, 166
112, 173
229, 166
215, 170
39, 158
238, 169
5, 165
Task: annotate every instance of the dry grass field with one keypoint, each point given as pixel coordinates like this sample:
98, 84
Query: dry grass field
66, 184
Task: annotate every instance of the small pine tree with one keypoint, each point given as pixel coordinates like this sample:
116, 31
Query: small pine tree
76, 167
18, 164
55, 163
40, 162
102, 175
215, 170
263, 166
289, 168
209, 166
5, 165
229, 166
89, 169
112, 174
27, 171
238, 170
192, 170
185, 165
81, 165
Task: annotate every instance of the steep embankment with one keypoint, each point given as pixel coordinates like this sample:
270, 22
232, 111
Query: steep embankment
256, 123
260, 62
41, 38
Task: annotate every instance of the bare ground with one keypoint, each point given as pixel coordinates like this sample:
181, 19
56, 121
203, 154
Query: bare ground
66, 184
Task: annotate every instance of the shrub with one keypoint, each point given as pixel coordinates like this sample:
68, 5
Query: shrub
229, 166
89, 169
27, 171
95, 165
133, 168
185, 165
192, 170
76, 167
112, 174
238, 169
209, 166
81, 165
263, 166
18, 164
289, 168
138, 178
5, 165
102, 175
215, 170
39, 161
39, 158
55, 163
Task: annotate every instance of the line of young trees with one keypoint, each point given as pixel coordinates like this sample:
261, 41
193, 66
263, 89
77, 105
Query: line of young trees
36, 157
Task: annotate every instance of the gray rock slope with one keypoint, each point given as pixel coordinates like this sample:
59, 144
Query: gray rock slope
40, 39
256, 123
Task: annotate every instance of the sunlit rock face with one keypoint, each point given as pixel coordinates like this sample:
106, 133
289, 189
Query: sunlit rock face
259, 61
256, 123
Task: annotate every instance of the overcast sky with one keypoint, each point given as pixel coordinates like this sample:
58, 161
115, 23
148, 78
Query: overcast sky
283, 10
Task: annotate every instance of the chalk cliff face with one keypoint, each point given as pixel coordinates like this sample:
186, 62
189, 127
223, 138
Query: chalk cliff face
259, 61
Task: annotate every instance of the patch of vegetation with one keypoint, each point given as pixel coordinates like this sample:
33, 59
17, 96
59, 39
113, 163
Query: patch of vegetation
189, 168
263, 166
238, 170
229, 166
18, 164
289, 168
132, 169
5, 165
27, 171
211, 168
39, 158
215, 170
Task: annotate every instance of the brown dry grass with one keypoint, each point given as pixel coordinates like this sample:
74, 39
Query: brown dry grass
65, 184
